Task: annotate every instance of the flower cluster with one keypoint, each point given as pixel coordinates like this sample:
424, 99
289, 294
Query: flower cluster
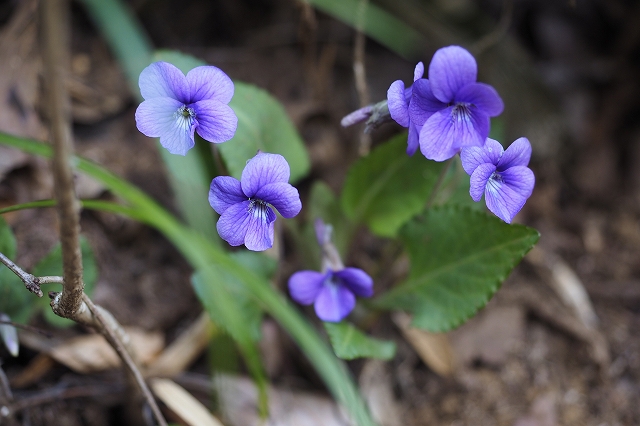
178, 106
449, 113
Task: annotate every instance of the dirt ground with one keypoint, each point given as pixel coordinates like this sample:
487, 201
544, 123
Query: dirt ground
543, 352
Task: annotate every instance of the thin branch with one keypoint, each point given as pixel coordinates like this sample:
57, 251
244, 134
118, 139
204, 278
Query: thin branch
118, 345
4, 386
359, 71
31, 282
28, 328
498, 32
56, 59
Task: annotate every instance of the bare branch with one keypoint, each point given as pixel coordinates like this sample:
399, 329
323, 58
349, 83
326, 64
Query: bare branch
56, 59
31, 282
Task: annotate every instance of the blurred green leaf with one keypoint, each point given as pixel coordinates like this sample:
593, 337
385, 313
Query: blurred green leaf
263, 125
350, 343
51, 265
459, 259
387, 188
15, 300
378, 24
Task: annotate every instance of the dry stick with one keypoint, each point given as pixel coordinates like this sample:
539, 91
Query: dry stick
114, 339
55, 23
72, 302
359, 72
31, 282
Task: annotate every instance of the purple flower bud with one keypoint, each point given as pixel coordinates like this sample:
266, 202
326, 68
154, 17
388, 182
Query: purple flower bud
177, 106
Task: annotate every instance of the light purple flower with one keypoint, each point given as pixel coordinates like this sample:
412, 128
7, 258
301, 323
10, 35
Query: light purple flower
244, 205
176, 106
450, 108
333, 293
398, 99
503, 176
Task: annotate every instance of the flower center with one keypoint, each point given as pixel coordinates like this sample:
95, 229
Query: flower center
496, 177
461, 112
185, 117
259, 208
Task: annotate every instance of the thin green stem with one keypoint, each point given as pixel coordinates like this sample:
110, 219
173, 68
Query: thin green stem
438, 185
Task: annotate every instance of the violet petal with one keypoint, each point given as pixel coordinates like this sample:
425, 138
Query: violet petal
334, 302
209, 83
283, 196
263, 169
159, 117
517, 154
479, 180
473, 156
418, 71
216, 121
451, 69
504, 199
234, 222
260, 234
520, 179
423, 104
224, 192
483, 96
304, 286
356, 280
397, 103
162, 79
413, 141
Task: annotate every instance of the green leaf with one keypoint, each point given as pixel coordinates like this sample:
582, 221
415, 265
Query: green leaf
459, 259
387, 188
15, 300
51, 265
350, 343
263, 125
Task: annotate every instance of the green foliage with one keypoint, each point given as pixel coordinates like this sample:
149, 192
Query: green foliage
459, 259
350, 343
51, 265
15, 300
388, 187
209, 260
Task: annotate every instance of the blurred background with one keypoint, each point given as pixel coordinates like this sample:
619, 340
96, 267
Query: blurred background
559, 343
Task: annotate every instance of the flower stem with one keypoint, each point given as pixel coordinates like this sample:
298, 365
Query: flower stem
438, 185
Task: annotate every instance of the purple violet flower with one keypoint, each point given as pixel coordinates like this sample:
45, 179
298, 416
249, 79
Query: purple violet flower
503, 176
333, 293
450, 108
398, 99
244, 205
176, 106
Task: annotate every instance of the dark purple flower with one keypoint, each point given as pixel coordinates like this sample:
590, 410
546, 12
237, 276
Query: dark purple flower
451, 109
176, 106
244, 205
333, 293
398, 99
503, 176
